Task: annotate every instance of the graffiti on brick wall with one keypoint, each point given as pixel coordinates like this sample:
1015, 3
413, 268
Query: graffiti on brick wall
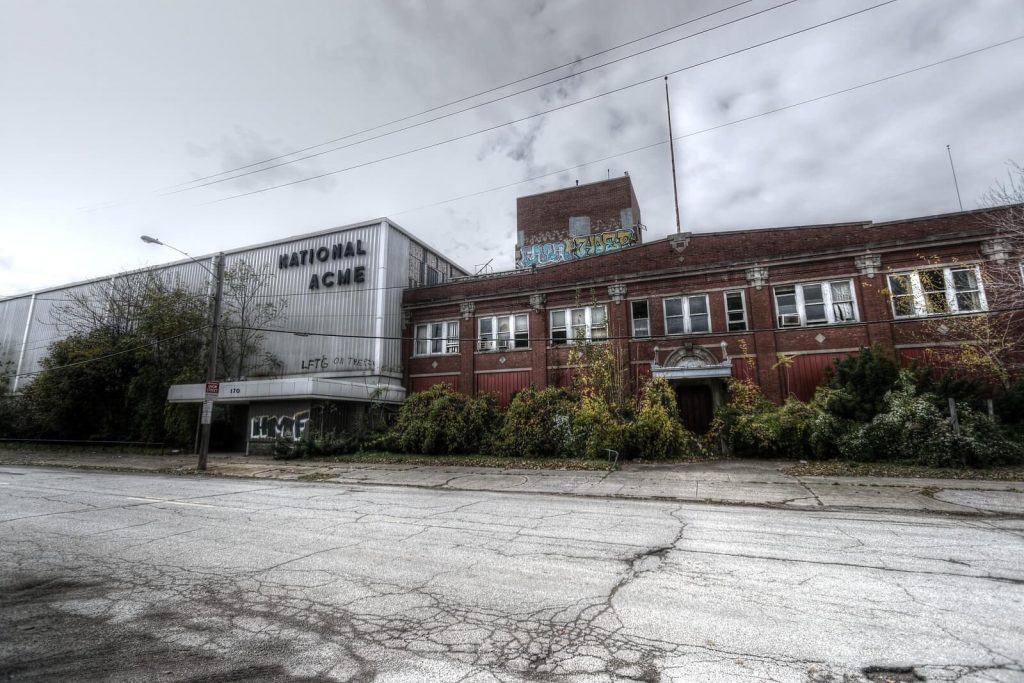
573, 248
279, 426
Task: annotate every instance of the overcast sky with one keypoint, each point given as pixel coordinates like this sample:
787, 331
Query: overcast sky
104, 106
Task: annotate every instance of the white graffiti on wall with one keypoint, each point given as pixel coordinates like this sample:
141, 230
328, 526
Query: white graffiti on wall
279, 426
573, 248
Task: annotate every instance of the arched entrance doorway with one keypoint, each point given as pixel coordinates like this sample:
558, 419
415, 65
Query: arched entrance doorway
698, 378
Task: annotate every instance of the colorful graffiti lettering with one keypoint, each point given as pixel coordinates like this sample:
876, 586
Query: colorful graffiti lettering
279, 426
574, 248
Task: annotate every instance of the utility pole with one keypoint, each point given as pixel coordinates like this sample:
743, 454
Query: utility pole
211, 368
672, 153
206, 413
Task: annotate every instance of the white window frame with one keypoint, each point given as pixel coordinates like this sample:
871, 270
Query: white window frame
633, 319
444, 343
497, 341
585, 325
799, 319
743, 310
917, 292
686, 314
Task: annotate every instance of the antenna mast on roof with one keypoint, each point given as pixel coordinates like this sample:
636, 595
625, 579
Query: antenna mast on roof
955, 183
672, 152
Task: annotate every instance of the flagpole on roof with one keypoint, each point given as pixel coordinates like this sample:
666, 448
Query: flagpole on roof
672, 153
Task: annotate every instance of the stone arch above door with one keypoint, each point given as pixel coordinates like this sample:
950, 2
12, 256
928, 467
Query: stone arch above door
691, 357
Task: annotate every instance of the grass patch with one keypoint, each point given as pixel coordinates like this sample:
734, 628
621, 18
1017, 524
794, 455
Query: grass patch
840, 468
496, 462
85, 447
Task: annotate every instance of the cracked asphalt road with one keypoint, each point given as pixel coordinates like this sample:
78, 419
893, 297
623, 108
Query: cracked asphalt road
141, 577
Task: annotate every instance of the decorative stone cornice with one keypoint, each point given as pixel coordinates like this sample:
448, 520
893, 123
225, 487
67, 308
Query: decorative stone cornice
537, 302
868, 264
757, 276
617, 292
996, 249
679, 241
467, 308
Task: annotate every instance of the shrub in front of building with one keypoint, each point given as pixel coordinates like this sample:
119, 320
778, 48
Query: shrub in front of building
907, 425
753, 427
537, 424
911, 428
441, 421
655, 432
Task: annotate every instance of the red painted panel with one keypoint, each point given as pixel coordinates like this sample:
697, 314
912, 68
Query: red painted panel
742, 368
504, 384
424, 383
805, 373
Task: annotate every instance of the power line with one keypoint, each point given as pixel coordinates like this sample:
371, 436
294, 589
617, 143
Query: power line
181, 187
625, 153
553, 109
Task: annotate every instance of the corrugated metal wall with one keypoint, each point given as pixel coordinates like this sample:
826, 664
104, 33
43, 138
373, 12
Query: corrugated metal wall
13, 317
350, 330
340, 319
45, 327
504, 384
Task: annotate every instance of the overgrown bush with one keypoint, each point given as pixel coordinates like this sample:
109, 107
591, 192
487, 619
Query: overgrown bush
753, 426
442, 421
314, 445
537, 423
864, 380
655, 431
912, 428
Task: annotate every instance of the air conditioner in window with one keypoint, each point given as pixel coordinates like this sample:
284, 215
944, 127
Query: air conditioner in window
503, 344
789, 320
485, 345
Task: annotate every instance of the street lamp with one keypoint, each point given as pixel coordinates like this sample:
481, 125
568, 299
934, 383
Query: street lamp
211, 368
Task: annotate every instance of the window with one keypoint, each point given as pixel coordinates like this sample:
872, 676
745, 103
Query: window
687, 315
588, 322
735, 312
433, 276
433, 339
936, 291
815, 303
641, 319
626, 218
579, 226
504, 332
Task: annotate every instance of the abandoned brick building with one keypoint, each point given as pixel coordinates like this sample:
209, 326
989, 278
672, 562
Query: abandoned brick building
694, 308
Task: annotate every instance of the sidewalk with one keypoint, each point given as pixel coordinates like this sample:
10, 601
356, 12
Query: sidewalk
738, 482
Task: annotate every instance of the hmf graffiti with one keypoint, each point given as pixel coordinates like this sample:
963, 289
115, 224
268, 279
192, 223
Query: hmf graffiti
574, 248
280, 426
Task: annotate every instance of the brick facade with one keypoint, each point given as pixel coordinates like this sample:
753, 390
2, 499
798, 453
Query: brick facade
598, 212
856, 256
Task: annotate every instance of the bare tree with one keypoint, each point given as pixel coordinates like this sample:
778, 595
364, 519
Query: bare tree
990, 346
248, 309
114, 304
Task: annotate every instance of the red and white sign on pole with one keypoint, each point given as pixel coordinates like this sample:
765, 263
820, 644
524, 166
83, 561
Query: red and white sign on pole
212, 391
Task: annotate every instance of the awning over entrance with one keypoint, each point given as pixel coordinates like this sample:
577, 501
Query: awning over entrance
357, 389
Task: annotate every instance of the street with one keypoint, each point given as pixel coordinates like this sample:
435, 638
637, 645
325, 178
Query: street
108, 576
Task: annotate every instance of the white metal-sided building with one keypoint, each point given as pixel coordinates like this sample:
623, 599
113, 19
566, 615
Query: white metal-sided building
337, 343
